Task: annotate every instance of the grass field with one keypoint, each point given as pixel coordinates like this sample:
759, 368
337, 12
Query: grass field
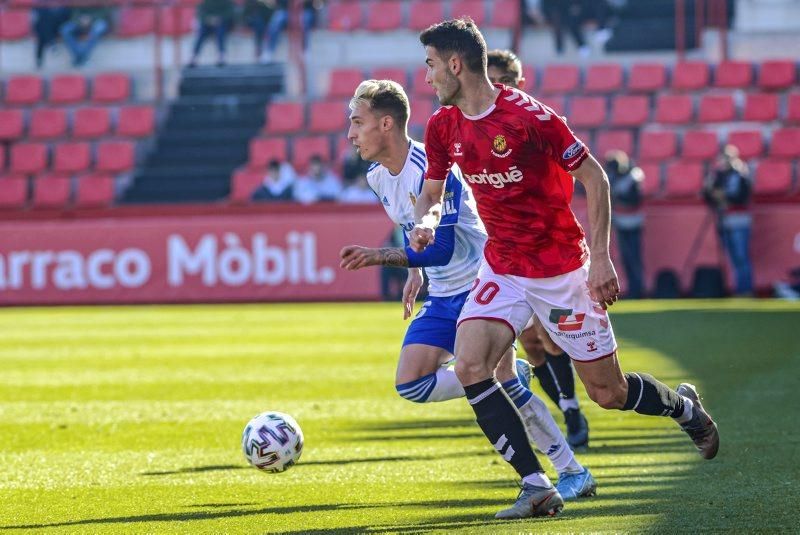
128, 419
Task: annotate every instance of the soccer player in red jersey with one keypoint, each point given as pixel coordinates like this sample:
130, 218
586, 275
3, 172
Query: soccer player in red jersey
520, 158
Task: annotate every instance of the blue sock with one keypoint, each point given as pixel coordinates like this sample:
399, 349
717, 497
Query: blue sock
518, 393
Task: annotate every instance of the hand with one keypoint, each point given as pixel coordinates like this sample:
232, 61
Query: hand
603, 283
356, 257
420, 238
410, 291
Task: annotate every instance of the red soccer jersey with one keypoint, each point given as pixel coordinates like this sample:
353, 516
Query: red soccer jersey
516, 157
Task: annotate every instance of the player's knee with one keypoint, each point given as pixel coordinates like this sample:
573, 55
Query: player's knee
418, 390
471, 371
608, 397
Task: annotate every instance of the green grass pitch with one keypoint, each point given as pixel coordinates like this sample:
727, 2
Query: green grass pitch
128, 420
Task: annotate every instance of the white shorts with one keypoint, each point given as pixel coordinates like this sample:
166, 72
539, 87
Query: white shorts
576, 323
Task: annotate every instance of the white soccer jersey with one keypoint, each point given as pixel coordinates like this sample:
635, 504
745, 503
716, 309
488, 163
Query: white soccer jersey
398, 195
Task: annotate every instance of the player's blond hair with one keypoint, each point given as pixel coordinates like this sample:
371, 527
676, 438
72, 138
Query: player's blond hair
384, 97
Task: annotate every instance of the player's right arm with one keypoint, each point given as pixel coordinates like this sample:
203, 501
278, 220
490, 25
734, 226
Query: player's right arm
428, 208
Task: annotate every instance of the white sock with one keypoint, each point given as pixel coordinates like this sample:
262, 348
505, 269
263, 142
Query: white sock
447, 385
688, 406
568, 403
544, 432
538, 479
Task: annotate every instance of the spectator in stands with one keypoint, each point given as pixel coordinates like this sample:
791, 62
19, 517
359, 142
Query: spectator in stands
85, 28
309, 18
319, 184
353, 165
727, 190
278, 183
566, 14
357, 191
47, 23
215, 17
627, 217
270, 18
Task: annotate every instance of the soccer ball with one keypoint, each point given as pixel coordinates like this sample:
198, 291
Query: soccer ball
272, 442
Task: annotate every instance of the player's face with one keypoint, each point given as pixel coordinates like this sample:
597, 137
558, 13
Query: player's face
499, 76
365, 132
444, 82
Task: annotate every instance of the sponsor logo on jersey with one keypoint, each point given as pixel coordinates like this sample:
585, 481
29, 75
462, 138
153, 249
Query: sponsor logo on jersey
500, 147
566, 320
591, 345
572, 150
498, 180
457, 149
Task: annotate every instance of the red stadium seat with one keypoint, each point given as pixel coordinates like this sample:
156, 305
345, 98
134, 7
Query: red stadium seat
244, 182
785, 143
285, 117
607, 140
327, 117
556, 102
651, 185
48, 123
505, 14
674, 109
384, 15
560, 79
304, 147
398, 75
700, 145
12, 125
684, 180
793, 108
473, 8
529, 73
24, 90
716, 109
343, 82
587, 112
96, 189
263, 150
115, 156
749, 142
13, 192
690, 75
418, 86
111, 87
773, 178
136, 21
175, 21
2, 157
72, 157
421, 111
733, 74
14, 24
630, 110
761, 107
647, 77
424, 13
777, 74
344, 15
585, 136
136, 121
603, 78
657, 145
91, 123
67, 89
51, 191
28, 158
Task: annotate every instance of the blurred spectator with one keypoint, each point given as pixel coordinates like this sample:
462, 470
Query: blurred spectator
278, 183
357, 191
353, 165
566, 14
627, 217
84, 29
266, 17
47, 23
215, 17
308, 19
727, 191
319, 184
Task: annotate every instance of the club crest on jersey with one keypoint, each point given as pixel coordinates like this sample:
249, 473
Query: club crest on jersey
500, 147
572, 150
412, 198
457, 149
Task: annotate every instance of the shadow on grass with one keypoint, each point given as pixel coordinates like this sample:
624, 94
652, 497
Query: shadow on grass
196, 469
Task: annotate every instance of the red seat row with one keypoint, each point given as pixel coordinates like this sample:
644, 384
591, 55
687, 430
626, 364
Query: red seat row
27, 90
87, 123
55, 191
262, 150
70, 157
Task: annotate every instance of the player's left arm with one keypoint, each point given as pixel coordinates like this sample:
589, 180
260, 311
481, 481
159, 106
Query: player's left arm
438, 254
603, 282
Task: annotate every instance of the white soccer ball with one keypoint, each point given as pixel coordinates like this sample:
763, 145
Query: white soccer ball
272, 442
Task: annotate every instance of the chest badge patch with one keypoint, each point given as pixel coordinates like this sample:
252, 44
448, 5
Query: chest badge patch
413, 198
500, 147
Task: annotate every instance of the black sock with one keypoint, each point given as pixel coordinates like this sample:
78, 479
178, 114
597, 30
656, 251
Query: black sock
561, 367
502, 426
548, 382
647, 395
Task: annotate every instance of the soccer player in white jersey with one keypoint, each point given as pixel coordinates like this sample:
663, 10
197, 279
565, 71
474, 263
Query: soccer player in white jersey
521, 160
378, 128
551, 364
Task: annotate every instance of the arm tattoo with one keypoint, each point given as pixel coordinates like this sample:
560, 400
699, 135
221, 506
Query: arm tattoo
392, 256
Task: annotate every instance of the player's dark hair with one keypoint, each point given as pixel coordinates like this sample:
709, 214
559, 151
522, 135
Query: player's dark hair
506, 61
460, 36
